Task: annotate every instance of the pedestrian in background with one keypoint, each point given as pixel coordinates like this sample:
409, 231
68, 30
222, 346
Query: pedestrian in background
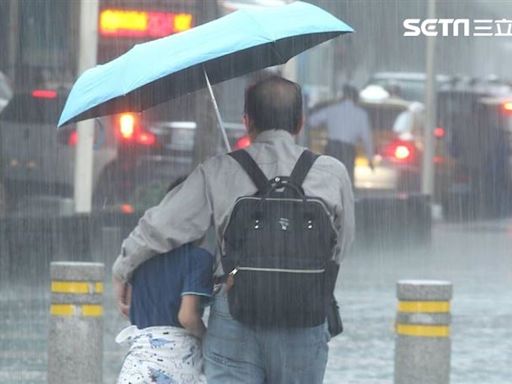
347, 125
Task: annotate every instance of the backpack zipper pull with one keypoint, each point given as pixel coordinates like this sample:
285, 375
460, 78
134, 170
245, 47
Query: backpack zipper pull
233, 272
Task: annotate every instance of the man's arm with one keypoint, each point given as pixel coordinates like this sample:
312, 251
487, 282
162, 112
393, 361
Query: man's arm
184, 215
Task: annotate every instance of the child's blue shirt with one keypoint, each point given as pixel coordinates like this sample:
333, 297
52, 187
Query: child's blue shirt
159, 283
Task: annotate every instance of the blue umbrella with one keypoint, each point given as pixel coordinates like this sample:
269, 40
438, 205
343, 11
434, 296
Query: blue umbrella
231, 46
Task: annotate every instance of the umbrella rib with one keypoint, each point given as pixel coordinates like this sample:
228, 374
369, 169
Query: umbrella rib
217, 112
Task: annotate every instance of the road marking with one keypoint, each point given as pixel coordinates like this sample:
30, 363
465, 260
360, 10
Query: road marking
424, 306
76, 287
423, 330
98, 287
86, 310
62, 310
92, 310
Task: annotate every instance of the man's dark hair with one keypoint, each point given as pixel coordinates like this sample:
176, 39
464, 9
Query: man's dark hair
274, 103
350, 92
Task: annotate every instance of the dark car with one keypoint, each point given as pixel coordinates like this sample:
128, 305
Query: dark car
136, 155
478, 124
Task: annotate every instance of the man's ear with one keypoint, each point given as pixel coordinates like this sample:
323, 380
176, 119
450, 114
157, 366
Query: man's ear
246, 121
249, 126
300, 124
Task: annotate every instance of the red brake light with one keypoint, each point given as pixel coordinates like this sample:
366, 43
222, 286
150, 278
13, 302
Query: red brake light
130, 131
73, 138
146, 138
507, 107
44, 93
243, 142
400, 151
127, 209
439, 132
127, 126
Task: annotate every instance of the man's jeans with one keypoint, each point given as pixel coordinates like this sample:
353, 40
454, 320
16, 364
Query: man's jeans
238, 354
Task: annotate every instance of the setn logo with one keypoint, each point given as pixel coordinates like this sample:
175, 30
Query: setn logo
457, 27
432, 27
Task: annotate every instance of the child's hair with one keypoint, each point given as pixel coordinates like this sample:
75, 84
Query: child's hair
176, 182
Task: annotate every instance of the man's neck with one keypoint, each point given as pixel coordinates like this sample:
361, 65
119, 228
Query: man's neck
272, 135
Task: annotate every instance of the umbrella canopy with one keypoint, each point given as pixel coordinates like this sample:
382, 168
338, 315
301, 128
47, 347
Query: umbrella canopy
236, 44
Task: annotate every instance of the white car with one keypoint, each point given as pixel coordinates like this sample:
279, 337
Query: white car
409, 85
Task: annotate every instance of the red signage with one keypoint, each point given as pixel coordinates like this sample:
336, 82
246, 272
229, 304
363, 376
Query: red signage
142, 24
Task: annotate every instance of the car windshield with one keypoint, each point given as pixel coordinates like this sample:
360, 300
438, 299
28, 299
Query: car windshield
24, 108
382, 118
412, 90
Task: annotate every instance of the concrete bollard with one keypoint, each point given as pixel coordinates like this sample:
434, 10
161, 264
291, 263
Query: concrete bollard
423, 346
75, 342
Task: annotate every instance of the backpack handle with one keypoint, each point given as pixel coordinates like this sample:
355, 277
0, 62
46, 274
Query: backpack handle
284, 182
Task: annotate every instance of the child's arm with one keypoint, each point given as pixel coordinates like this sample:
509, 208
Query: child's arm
189, 315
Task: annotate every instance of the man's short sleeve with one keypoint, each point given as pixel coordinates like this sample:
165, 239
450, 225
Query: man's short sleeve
198, 273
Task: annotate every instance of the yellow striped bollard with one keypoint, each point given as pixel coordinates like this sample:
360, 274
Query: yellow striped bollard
75, 341
423, 346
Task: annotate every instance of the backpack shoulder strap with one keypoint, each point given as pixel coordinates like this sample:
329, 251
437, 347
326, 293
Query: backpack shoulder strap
251, 168
302, 167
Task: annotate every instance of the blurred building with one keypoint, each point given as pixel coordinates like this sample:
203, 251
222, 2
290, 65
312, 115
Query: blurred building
39, 38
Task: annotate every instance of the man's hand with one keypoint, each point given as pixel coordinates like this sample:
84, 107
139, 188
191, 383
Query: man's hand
123, 293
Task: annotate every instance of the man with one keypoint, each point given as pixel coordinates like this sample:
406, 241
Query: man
347, 124
235, 352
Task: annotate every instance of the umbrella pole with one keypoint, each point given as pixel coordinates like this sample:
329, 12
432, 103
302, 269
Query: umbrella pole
217, 112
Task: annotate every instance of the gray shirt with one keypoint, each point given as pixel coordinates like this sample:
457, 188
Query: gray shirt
208, 195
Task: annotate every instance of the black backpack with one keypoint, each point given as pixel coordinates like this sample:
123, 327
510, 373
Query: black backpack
279, 247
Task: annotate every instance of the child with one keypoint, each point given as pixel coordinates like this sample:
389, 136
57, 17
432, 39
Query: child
165, 312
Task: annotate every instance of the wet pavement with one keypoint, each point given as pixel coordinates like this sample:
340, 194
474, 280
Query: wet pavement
476, 257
